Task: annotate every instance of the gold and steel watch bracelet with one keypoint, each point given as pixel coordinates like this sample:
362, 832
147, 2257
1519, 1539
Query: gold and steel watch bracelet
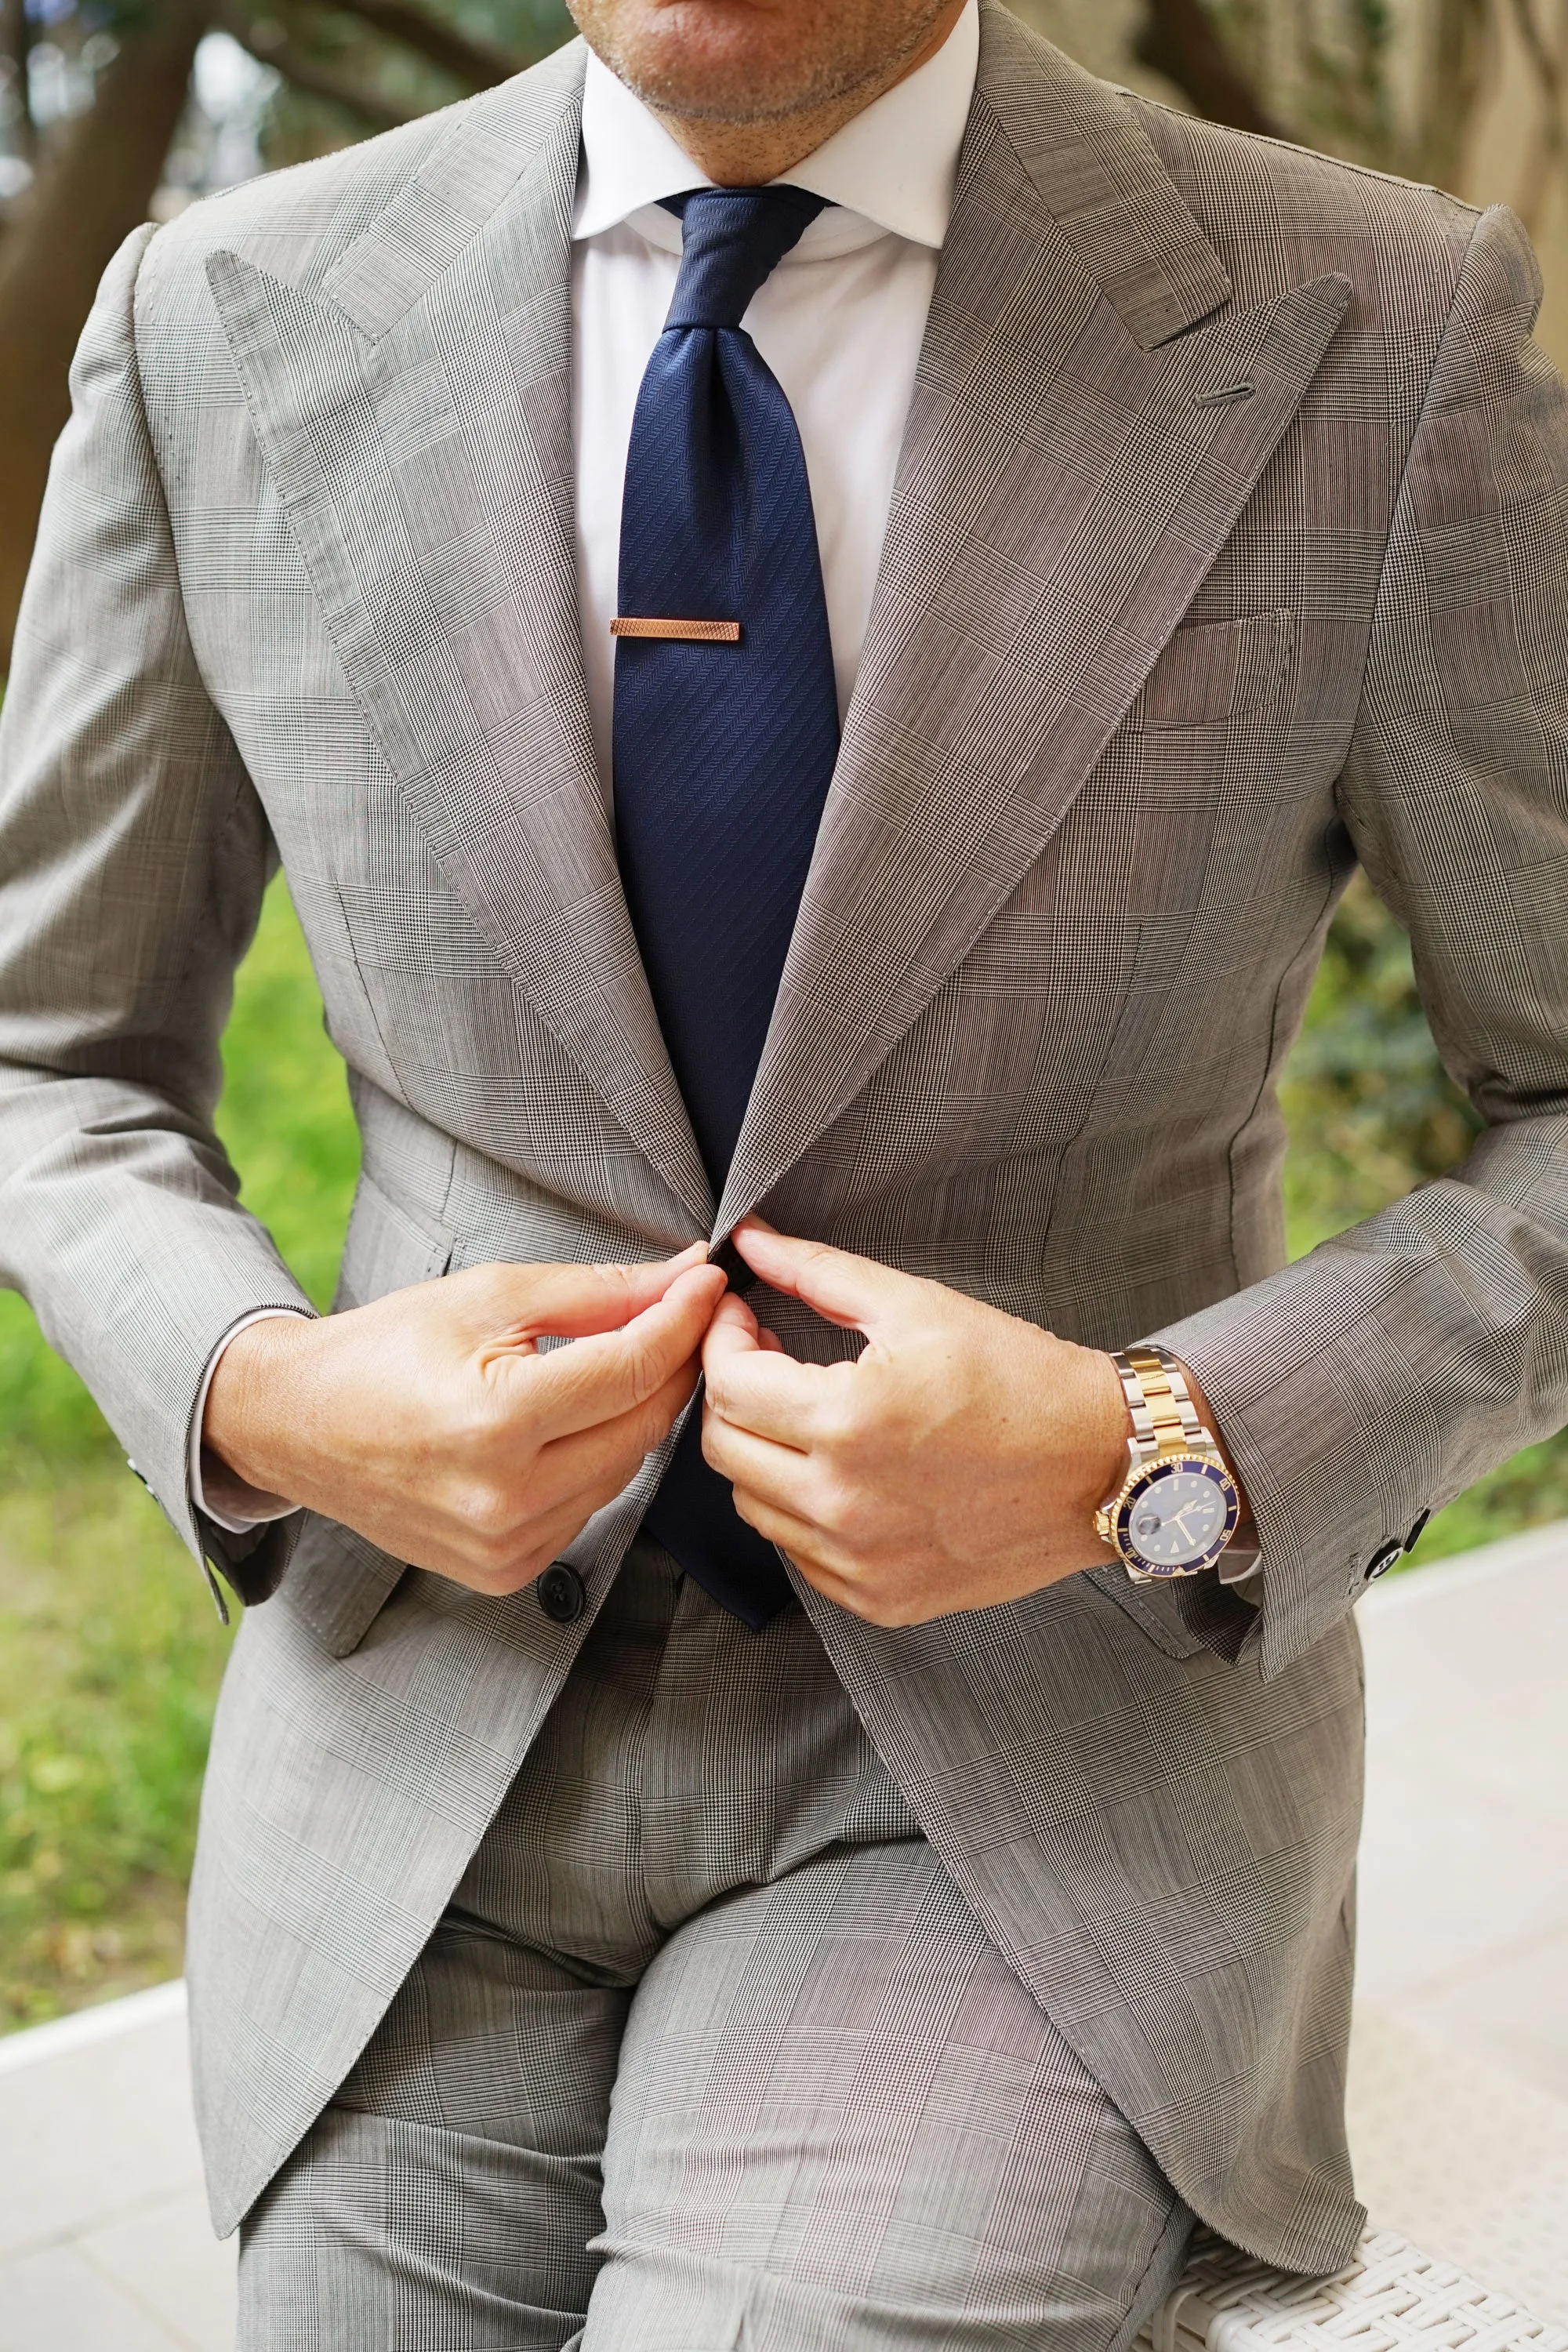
1167, 1437
1165, 1418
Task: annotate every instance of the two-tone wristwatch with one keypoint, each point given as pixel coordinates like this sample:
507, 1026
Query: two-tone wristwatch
1178, 1506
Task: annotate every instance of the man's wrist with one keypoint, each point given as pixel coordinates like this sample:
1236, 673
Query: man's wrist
241, 1428
1114, 1428
1163, 1411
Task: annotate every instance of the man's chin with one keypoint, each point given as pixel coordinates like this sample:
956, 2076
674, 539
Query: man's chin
739, 109
710, 61
693, 93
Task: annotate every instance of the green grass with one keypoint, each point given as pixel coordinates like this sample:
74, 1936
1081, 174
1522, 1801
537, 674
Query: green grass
110, 1650
109, 1658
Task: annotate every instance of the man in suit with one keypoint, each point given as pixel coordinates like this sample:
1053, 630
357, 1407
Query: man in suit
853, 799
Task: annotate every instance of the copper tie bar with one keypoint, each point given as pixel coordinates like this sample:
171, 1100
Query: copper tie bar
696, 633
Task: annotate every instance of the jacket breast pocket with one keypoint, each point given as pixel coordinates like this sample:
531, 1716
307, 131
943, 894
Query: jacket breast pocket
338, 1582
1214, 672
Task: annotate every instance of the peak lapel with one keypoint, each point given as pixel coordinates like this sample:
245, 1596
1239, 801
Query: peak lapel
415, 412
1062, 492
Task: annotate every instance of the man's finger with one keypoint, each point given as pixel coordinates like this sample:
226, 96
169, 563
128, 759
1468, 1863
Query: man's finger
570, 1302
608, 1373
759, 1388
813, 1553
855, 1292
774, 1475
590, 1467
735, 1331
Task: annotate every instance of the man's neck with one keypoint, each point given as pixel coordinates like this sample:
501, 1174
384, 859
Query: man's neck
750, 154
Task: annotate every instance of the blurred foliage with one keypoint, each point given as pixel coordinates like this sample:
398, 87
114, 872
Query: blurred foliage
1325, 66
1370, 1107
341, 75
103, 121
1403, 88
110, 1651
285, 1120
1371, 1113
110, 1654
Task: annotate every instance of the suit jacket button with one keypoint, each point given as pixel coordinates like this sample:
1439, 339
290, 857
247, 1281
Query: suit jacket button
1418, 1531
1382, 1559
562, 1594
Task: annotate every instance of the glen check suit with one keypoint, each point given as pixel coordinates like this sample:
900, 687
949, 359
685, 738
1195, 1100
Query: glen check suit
1228, 548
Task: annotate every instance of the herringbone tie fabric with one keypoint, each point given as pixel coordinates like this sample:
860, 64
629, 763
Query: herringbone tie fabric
723, 752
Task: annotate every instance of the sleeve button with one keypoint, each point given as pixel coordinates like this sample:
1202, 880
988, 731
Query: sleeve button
1418, 1531
1382, 1559
562, 1594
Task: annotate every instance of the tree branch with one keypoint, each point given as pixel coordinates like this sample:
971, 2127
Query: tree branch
477, 63
268, 42
1459, 55
1545, 153
16, 40
1180, 40
90, 191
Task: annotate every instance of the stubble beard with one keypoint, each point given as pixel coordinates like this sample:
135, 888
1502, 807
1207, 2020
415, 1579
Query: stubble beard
740, 94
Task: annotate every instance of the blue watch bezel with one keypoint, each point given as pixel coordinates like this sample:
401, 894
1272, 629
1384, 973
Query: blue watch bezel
1147, 1475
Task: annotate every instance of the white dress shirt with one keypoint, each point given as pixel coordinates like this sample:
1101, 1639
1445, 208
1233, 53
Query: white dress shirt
840, 323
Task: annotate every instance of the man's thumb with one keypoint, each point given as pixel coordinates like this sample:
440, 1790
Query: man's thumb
855, 1292
610, 1373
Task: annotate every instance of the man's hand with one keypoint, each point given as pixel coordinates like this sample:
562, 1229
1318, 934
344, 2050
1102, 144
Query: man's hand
958, 1463
431, 1423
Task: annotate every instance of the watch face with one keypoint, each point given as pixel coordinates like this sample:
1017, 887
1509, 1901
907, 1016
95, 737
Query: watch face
1180, 1517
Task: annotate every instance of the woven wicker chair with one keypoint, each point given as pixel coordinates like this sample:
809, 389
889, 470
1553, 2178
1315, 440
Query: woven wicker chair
1393, 2298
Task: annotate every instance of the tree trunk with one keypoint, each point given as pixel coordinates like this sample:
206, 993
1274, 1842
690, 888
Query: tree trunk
479, 63
1460, 42
1179, 40
90, 192
270, 44
16, 40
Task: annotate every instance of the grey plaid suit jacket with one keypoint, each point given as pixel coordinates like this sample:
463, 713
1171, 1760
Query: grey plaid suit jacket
1229, 547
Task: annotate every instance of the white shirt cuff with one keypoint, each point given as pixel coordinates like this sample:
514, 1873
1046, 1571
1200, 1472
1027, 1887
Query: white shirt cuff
1239, 1564
227, 1501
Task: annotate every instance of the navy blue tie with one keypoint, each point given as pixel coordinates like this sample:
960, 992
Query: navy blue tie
726, 731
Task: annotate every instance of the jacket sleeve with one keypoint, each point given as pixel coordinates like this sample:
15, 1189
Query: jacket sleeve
133, 853
1371, 1381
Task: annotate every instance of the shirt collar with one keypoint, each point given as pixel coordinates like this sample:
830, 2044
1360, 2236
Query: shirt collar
894, 165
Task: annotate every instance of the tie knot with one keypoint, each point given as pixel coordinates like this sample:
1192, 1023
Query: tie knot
733, 239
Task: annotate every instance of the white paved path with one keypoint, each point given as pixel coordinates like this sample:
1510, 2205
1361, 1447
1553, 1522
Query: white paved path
104, 2240
1459, 2077
1460, 2064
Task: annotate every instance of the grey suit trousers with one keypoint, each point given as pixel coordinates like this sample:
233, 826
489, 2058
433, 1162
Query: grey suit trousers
708, 2051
